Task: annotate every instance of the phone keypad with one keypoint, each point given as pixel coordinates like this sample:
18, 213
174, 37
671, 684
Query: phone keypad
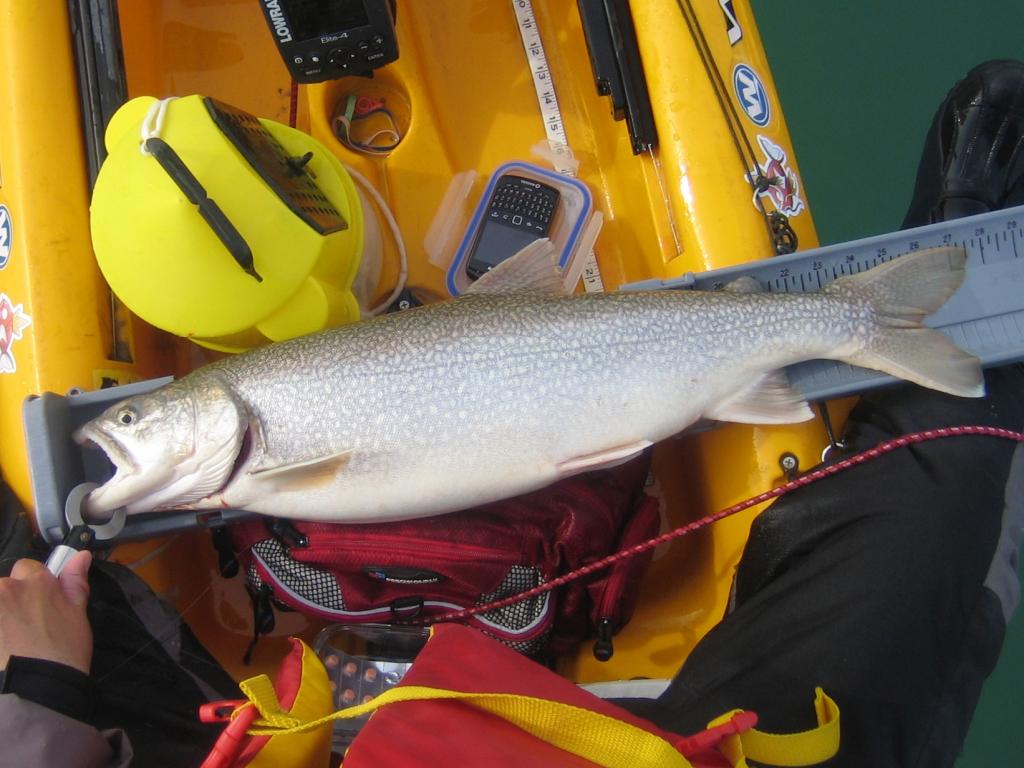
523, 203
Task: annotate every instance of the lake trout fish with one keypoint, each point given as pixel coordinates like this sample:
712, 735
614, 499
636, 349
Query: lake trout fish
505, 390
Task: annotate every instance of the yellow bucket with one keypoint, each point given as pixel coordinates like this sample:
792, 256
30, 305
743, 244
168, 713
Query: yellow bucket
164, 260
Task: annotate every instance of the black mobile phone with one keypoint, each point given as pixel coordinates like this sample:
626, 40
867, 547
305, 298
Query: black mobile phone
518, 212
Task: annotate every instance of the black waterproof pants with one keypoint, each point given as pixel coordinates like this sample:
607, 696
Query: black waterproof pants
886, 585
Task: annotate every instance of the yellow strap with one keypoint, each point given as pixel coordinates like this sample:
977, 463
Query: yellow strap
260, 691
787, 750
603, 740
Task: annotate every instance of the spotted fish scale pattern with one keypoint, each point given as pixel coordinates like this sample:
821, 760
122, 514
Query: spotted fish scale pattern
454, 393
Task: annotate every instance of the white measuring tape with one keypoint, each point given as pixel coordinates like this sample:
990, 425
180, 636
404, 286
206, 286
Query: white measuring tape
554, 128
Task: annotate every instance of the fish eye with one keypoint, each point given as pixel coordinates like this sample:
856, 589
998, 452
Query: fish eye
127, 416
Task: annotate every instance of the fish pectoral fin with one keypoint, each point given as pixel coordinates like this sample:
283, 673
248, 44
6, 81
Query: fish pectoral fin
612, 457
769, 400
534, 269
301, 475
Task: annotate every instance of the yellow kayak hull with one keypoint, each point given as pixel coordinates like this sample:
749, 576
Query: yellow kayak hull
687, 206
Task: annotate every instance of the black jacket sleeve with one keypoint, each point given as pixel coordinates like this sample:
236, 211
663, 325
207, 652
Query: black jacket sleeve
45, 709
52, 685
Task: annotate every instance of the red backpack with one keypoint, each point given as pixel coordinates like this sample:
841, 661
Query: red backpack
429, 567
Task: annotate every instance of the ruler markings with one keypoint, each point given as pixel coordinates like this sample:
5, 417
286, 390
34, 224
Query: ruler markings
986, 317
554, 127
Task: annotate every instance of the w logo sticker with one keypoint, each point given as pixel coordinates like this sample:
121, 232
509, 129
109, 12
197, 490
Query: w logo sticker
6, 236
751, 93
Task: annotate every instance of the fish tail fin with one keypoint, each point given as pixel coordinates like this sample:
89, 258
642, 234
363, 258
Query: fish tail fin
901, 293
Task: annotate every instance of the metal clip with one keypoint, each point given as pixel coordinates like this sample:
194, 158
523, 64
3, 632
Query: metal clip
833, 444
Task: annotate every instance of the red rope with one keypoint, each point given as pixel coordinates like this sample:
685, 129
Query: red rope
811, 477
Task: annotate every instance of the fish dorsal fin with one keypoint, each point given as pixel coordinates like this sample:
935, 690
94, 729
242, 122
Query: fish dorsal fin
612, 457
303, 474
534, 269
769, 400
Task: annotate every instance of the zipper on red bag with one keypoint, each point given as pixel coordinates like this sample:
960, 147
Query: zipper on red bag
331, 542
608, 612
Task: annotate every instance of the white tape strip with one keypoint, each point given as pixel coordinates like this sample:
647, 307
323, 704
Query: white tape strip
554, 128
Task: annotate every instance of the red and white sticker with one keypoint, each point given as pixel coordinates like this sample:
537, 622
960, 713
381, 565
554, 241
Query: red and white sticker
13, 322
783, 189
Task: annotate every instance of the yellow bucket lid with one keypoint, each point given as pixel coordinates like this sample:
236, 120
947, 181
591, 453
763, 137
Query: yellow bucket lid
166, 264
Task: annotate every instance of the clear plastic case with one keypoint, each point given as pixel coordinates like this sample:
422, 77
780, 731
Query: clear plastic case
363, 661
458, 222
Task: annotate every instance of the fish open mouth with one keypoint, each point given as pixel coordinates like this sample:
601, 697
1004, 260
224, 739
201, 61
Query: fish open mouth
88, 436
144, 484
124, 466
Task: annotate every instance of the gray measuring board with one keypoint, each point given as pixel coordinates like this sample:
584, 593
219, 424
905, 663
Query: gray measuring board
985, 316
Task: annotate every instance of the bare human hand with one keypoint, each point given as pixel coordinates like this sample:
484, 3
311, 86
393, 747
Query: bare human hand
44, 618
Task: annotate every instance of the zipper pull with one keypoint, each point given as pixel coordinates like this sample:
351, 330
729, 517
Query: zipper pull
603, 648
286, 531
406, 608
263, 619
227, 560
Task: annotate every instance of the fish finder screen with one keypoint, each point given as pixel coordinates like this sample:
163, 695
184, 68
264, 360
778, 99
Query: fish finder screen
313, 18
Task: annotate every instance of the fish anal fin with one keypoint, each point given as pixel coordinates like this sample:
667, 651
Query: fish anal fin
303, 475
612, 457
769, 400
534, 269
